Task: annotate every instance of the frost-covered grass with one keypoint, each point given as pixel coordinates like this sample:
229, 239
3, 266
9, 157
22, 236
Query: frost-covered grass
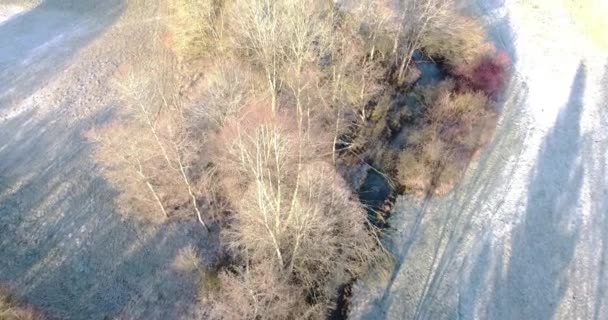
589, 16
8, 11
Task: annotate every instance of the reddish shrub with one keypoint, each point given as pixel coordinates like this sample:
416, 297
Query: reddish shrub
488, 76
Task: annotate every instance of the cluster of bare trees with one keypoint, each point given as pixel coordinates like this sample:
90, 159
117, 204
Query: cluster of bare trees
151, 154
258, 136
253, 147
297, 223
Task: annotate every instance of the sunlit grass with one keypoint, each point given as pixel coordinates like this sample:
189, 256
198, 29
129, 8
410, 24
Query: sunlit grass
590, 17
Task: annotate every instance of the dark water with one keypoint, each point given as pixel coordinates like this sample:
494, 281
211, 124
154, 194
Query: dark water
373, 194
432, 71
374, 190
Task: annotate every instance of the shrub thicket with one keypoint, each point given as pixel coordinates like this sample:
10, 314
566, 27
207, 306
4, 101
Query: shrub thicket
12, 310
290, 90
455, 125
197, 27
458, 39
295, 222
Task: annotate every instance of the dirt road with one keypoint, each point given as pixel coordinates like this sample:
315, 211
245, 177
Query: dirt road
525, 235
63, 246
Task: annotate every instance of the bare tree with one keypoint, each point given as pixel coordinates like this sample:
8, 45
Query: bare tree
308, 27
460, 39
258, 32
197, 27
258, 292
132, 166
373, 20
283, 38
414, 20
148, 152
294, 211
225, 89
352, 76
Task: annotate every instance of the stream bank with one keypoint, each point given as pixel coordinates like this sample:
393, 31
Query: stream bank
420, 138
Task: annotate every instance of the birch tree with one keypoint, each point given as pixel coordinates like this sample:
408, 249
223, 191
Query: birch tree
294, 212
258, 34
283, 38
147, 152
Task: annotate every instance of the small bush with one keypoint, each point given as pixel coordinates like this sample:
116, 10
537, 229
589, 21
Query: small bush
460, 40
211, 284
259, 292
12, 310
187, 260
489, 75
196, 27
456, 115
413, 173
455, 125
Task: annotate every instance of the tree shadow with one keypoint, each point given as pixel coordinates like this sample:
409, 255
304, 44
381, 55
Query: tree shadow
37, 45
63, 246
598, 163
497, 22
454, 229
533, 280
444, 225
449, 229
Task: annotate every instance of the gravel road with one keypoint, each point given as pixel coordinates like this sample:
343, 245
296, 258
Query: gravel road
525, 235
63, 246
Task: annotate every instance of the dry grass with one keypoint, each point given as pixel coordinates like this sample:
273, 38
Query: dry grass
460, 40
197, 27
456, 125
590, 17
12, 310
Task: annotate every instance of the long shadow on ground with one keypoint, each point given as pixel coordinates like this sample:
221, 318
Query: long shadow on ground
427, 298
543, 244
531, 283
65, 249
599, 165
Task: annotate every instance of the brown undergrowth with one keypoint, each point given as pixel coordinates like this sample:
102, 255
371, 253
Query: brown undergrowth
287, 105
424, 136
10, 309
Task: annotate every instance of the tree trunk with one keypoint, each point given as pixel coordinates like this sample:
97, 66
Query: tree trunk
191, 193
